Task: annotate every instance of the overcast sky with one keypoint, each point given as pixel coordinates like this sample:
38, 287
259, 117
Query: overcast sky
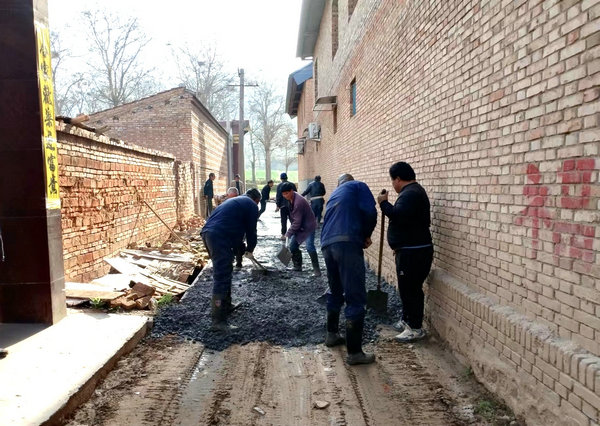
257, 35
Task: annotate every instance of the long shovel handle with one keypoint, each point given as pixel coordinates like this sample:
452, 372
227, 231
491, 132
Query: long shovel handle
380, 251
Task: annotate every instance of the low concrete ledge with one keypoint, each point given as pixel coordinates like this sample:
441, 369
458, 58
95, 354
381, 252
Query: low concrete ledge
545, 379
45, 377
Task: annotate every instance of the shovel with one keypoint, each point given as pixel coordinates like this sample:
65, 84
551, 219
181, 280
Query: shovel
377, 299
285, 255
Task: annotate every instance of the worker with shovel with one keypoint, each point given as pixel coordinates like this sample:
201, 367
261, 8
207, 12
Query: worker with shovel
410, 239
349, 222
302, 229
223, 232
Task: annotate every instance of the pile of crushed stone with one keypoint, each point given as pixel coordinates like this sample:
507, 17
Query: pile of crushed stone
280, 308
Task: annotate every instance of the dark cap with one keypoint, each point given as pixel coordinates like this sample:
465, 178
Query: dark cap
283, 176
287, 186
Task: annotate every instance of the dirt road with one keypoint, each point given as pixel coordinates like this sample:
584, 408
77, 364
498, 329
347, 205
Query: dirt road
274, 371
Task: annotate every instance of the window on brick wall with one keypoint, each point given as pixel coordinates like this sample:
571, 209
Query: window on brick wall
334, 27
316, 78
351, 6
353, 98
334, 117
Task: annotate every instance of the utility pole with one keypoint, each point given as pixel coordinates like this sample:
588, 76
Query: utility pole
239, 158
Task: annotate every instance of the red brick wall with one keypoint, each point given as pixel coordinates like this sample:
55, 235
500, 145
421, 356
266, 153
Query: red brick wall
496, 106
99, 182
175, 122
209, 154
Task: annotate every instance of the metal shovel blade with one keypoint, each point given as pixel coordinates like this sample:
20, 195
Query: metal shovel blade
285, 255
377, 300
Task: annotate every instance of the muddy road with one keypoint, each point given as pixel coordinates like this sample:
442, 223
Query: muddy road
274, 369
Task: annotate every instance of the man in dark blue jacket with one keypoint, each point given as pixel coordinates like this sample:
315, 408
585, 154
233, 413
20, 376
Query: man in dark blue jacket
409, 236
282, 204
223, 232
349, 222
265, 194
209, 193
316, 192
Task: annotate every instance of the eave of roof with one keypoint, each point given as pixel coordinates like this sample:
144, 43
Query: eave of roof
310, 23
294, 90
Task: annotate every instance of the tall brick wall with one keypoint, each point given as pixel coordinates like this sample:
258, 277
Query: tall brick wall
496, 106
184, 190
100, 180
209, 154
173, 121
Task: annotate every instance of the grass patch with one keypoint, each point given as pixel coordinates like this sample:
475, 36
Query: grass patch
165, 300
486, 409
260, 176
97, 303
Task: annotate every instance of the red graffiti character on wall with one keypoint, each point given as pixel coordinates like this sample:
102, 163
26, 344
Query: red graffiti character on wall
569, 239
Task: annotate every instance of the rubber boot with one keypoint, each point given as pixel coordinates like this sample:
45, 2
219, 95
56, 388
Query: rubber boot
219, 315
238, 259
314, 259
297, 260
333, 324
229, 305
354, 329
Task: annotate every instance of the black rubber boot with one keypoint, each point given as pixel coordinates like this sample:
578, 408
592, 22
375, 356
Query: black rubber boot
354, 329
238, 259
219, 313
333, 324
229, 305
314, 259
297, 260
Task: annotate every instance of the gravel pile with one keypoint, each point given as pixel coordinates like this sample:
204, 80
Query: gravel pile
280, 308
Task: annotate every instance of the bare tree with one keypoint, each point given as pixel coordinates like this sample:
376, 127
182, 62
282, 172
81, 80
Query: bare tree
116, 72
203, 72
289, 151
271, 125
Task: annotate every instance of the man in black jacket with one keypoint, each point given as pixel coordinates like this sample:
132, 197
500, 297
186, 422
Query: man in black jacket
316, 192
408, 235
282, 204
265, 195
208, 193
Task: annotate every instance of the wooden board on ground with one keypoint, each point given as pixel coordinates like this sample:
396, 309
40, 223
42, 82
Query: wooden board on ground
161, 284
160, 256
114, 281
90, 291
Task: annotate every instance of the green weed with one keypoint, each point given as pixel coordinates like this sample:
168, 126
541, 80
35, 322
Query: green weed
97, 303
165, 300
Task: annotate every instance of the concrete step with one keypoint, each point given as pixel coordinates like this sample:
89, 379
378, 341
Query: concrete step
46, 376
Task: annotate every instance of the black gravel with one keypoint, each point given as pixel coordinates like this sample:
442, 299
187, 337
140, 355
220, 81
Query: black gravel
280, 308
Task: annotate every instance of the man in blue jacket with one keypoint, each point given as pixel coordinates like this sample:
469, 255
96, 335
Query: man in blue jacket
223, 232
349, 222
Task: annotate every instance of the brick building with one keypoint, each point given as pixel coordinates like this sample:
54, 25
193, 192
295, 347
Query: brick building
174, 121
496, 105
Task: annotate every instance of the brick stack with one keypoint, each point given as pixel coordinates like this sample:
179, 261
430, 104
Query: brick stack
496, 105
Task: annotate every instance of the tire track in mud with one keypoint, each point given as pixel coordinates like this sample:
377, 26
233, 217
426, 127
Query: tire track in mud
163, 388
421, 399
145, 388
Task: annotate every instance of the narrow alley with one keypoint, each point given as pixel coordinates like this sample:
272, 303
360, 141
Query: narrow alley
274, 368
